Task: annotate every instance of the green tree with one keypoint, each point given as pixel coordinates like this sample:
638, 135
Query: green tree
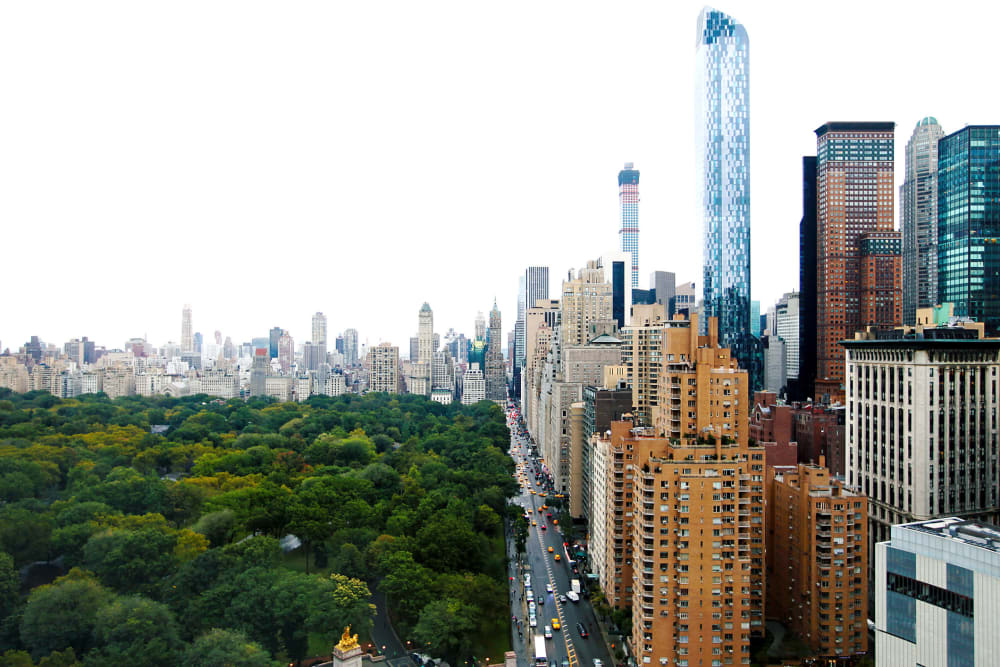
350, 562
407, 583
131, 561
65, 658
10, 586
135, 630
445, 626
219, 527
25, 535
225, 648
62, 614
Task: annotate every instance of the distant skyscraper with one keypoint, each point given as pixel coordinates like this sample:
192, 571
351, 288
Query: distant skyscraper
722, 128
628, 201
755, 318
480, 326
919, 218
421, 363
286, 352
854, 189
319, 329
198, 341
969, 224
496, 372
340, 344
786, 325
536, 285
275, 334
351, 347
187, 333
664, 283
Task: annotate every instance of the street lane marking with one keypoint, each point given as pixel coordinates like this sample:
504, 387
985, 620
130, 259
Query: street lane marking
570, 649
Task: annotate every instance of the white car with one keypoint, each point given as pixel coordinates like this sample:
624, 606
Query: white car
548, 588
598, 663
533, 621
532, 608
548, 632
527, 581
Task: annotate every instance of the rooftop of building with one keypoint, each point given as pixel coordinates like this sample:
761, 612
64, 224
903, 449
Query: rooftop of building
952, 335
928, 120
972, 533
855, 126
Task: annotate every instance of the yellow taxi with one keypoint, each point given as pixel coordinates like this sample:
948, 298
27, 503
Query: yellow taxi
558, 558
532, 492
551, 549
555, 624
544, 507
534, 523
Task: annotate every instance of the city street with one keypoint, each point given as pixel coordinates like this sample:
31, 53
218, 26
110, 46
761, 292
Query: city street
566, 647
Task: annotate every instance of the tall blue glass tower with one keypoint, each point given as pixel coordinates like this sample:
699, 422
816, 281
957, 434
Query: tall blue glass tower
968, 233
722, 96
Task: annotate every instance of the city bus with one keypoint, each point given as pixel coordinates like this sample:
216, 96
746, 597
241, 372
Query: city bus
540, 659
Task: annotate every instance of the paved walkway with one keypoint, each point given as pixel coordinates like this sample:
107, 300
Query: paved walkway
384, 635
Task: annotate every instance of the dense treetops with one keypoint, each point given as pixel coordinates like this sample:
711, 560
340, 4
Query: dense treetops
169, 543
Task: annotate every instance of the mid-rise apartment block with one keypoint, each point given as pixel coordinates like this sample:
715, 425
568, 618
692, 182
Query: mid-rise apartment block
817, 565
937, 594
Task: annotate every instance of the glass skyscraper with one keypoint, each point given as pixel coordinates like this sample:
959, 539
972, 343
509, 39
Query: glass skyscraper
628, 198
722, 131
969, 223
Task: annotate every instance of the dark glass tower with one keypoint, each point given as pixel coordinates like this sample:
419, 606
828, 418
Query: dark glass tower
969, 223
801, 388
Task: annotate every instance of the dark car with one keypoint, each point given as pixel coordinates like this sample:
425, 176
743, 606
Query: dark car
582, 630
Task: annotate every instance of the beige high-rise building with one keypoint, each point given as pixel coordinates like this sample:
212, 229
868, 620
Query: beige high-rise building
319, 329
682, 540
586, 306
421, 367
817, 565
666, 359
187, 334
383, 368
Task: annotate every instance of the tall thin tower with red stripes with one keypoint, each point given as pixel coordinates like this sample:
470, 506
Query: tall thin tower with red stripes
628, 198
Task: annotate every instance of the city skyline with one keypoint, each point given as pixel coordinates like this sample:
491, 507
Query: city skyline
195, 164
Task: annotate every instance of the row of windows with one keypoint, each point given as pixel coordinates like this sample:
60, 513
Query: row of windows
939, 597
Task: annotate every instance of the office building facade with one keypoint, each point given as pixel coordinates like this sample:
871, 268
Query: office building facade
969, 224
938, 594
919, 217
854, 191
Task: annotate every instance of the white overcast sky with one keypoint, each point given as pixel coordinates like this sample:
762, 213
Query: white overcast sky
263, 160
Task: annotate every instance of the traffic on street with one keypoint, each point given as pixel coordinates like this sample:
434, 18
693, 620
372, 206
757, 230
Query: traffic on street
548, 594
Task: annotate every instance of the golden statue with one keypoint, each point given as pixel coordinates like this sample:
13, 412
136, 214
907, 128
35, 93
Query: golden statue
347, 642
